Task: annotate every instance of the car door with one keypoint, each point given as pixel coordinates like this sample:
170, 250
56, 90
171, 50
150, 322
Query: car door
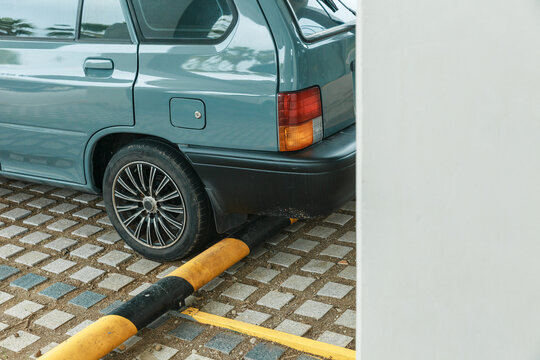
66, 71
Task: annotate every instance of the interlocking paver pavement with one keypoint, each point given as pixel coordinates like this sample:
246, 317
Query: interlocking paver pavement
9, 250
34, 238
224, 342
348, 319
217, 308
37, 220
317, 266
265, 351
293, 327
58, 266
313, 309
7, 271
86, 251
54, 319
334, 290
143, 266
337, 251
335, 338
61, 244
32, 258
187, 331
275, 299
87, 274
19, 342
114, 258
290, 284
239, 291
62, 225
284, 259
263, 275
11, 231
87, 299
253, 317
5, 297
28, 281
23, 309
16, 214
115, 282
303, 245
57, 290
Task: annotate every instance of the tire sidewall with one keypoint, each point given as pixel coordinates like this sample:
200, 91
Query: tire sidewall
159, 156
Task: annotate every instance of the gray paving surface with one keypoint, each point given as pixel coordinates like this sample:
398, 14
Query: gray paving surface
62, 266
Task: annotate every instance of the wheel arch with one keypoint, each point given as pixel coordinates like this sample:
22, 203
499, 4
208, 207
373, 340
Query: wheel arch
103, 145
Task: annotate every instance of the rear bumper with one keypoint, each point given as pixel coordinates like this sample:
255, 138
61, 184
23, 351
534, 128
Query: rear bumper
303, 184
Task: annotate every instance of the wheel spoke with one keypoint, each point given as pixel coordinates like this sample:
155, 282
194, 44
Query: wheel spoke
164, 227
156, 229
173, 209
137, 232
164, 182
171, 221
126, 208
133, 217
148, 228
126, 186
140, 172
151, 180
132, 179
126, 197
171, 196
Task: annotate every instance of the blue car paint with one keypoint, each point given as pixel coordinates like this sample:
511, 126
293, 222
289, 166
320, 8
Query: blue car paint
325, 63
261, 56
49, 107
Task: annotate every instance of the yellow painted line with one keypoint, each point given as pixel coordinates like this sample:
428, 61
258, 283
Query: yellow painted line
95, 341
299, 343
212, 262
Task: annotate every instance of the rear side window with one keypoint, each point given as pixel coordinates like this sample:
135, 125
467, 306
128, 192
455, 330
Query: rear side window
38, 18
183, 19
315, 16
104, 20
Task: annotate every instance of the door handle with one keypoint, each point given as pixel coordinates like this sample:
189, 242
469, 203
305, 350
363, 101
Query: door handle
98, 64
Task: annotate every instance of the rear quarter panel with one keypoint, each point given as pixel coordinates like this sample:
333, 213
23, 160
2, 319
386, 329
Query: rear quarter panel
325, 63
236, 79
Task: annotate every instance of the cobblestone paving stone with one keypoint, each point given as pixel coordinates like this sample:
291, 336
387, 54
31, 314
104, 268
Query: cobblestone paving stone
62, 267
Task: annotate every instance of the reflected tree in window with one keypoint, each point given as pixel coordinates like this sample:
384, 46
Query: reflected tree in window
93, 30
61, 31
15, 27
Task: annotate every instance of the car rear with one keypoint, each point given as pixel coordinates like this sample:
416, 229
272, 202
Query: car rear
312, 171
316, 49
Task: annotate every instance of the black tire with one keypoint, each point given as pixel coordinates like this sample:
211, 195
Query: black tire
160, 238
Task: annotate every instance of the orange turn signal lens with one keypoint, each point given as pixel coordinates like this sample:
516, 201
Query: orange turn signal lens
295, 137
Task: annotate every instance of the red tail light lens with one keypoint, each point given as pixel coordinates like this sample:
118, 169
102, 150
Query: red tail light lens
300, 119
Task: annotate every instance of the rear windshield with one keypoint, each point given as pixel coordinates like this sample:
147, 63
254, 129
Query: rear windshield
315, 16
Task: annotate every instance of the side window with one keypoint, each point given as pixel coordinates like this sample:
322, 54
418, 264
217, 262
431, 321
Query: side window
183, 20
103, 19
38, 18
315, 16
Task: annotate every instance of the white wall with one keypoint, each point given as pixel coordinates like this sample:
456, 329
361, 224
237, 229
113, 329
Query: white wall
451, 180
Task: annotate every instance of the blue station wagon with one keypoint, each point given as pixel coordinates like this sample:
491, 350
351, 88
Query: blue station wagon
187, 115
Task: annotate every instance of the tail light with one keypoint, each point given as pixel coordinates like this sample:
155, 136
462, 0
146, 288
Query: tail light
300, 119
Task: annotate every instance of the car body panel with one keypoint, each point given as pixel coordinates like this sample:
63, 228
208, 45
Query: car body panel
327, 62
235, 79
49, 106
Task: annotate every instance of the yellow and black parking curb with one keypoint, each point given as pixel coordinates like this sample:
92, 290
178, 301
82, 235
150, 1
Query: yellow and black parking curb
103, 336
